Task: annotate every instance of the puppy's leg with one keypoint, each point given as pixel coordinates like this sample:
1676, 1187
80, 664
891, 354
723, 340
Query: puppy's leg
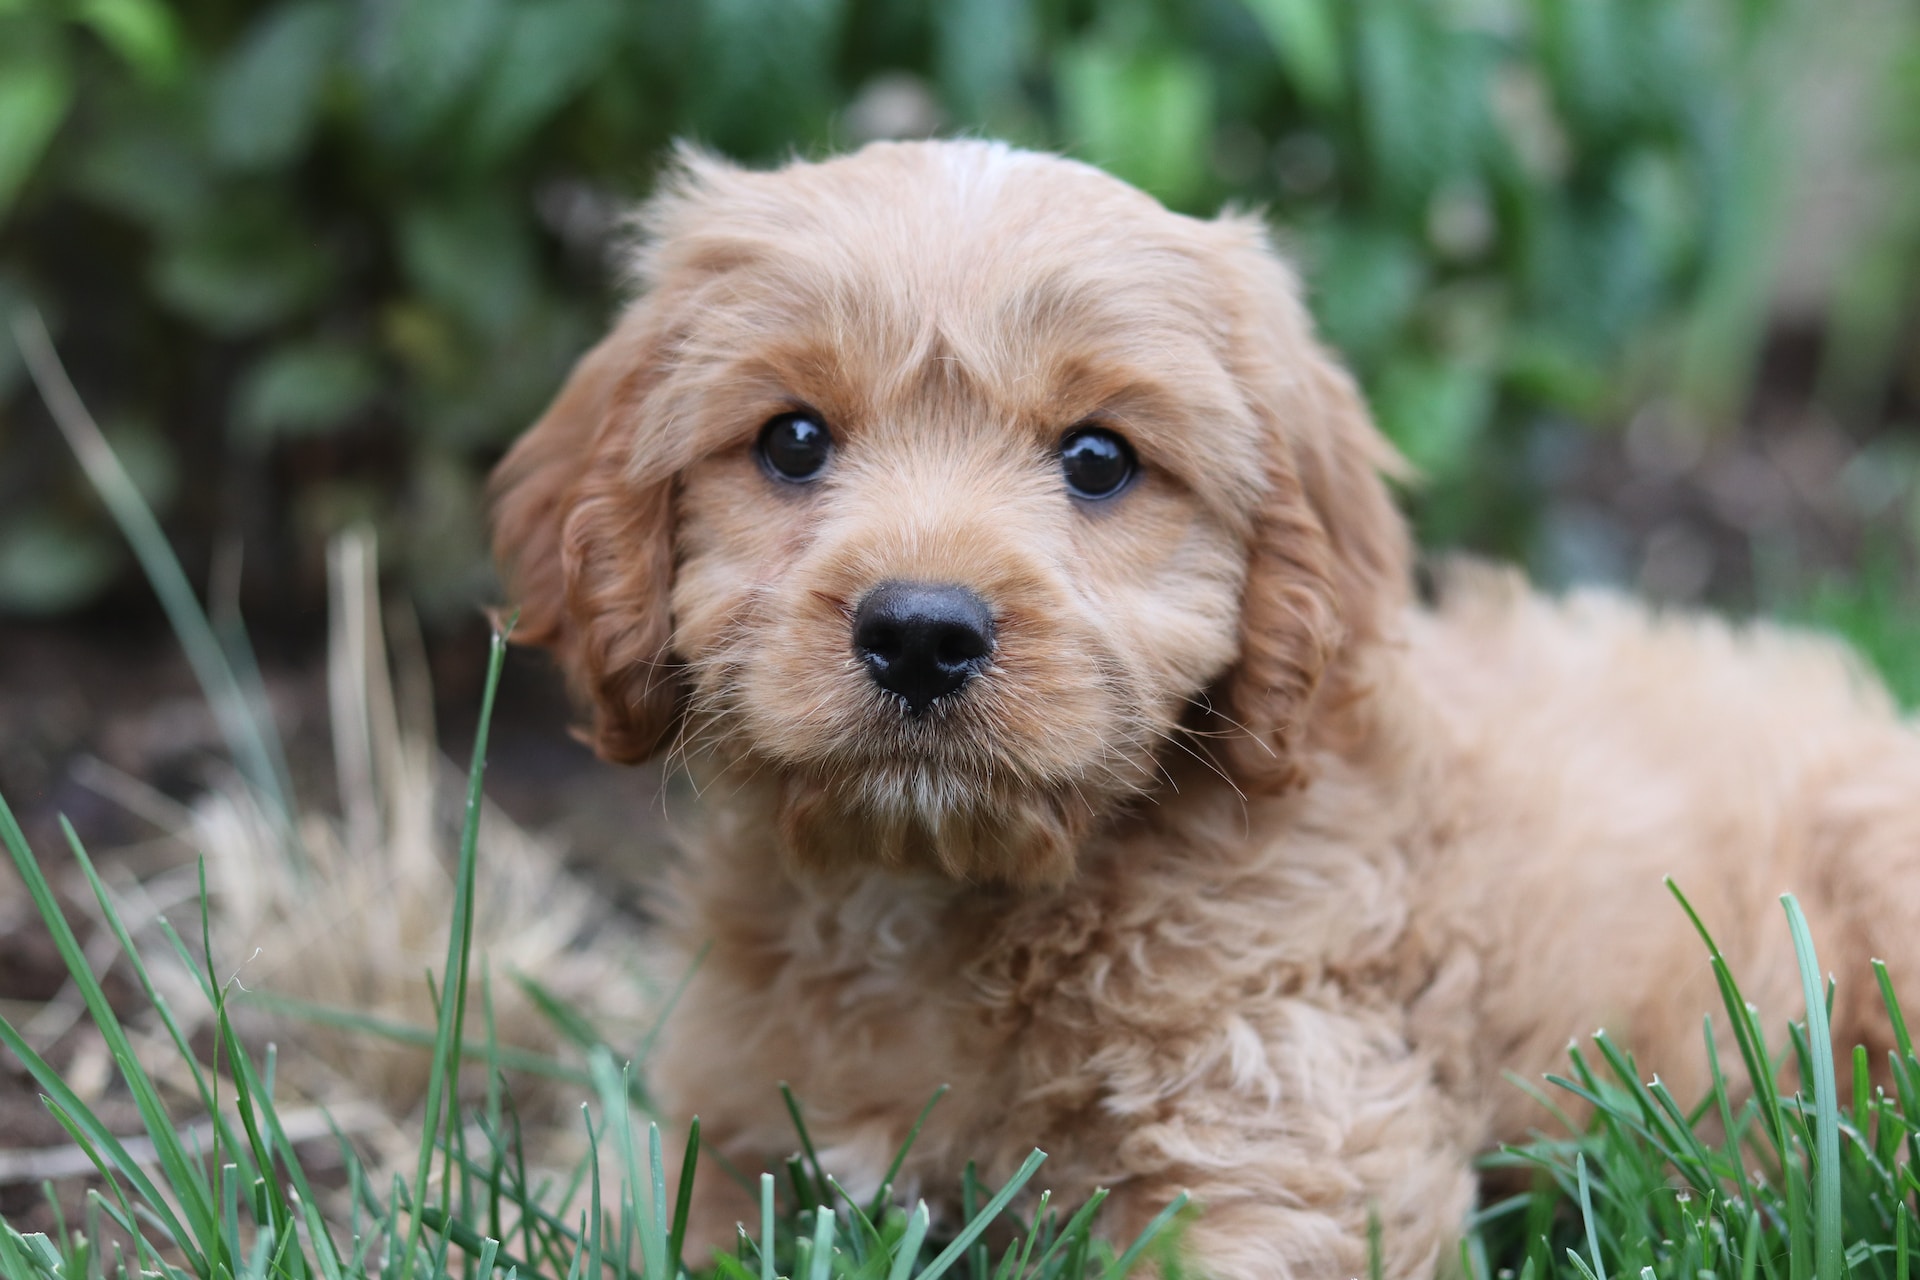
1862, 851
1285, 1185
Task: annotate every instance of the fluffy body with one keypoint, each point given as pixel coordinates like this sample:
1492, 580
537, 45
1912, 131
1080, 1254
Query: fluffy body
1237, 871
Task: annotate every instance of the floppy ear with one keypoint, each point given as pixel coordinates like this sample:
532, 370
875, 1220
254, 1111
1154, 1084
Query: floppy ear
586, 549
1329, 558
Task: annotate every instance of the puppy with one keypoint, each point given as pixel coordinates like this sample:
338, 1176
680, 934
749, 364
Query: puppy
1013, 572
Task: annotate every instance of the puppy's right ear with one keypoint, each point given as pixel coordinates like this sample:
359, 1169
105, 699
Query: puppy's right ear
585, 548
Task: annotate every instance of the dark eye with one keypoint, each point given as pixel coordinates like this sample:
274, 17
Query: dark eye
795, 446
1097, 462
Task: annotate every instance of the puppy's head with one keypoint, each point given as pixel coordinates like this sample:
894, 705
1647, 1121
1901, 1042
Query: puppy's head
949, 490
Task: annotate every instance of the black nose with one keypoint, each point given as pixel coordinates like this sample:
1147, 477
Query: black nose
922, 641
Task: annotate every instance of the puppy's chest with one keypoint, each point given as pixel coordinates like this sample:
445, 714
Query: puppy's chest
1036, 1008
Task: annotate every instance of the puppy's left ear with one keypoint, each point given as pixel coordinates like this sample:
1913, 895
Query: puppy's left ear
1329, 558
586, 548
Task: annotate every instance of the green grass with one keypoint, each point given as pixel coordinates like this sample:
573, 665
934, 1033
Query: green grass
1877, 611
1751, 1181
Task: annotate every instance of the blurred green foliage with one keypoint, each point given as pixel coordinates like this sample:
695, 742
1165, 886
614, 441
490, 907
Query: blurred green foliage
318, 260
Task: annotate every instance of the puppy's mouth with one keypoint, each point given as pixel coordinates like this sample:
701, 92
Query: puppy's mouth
918, 725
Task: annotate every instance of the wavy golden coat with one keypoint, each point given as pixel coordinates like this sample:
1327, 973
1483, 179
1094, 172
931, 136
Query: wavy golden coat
1234, 871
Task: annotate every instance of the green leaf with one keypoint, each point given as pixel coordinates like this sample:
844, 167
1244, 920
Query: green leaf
142, 32
48, 566
1365, 281
304, 389
35, 92
979, 52
550, 51
1729, 303
146, 167
473, 255
1391, 61
1145, 115
422, 56
1435, 411
266, 95
468, 388
1304, 35
1549, 371
1619, 66
241, 271
1421, 97
765, 74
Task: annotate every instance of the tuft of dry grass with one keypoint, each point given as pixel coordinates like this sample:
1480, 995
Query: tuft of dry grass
331, 938
355, 921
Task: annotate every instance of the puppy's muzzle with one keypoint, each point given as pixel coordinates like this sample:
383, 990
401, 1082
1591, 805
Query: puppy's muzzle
922, 641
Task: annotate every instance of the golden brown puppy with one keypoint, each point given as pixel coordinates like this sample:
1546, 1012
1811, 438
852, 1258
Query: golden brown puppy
1012, 569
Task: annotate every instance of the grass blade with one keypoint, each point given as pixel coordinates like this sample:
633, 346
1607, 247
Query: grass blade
255, 749
182, 1174
820, 1192
821, 1259
905, 1254
511, 1057
1586, 1215
958, 1246
900, 1156
683, 1200
448, 1043
1828, 1249
653, 1233
1124, 1263
766, 1226
1746, 1033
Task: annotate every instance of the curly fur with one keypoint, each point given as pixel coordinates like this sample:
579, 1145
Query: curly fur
1236, 871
